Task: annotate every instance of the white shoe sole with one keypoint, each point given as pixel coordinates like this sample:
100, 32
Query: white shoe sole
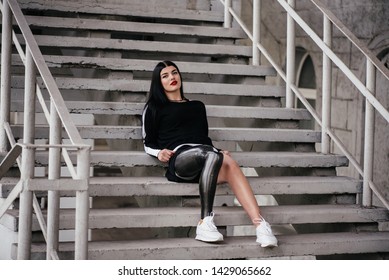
208, 239
273, 243
268, 245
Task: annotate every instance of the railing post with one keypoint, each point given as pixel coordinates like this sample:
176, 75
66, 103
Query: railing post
82, 206
227, 14
326, 88
369, 137
6, 53
28, 159
25, 211
290, 57
54, 172
256, 31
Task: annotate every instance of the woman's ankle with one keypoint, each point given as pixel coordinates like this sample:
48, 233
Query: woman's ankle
257, 221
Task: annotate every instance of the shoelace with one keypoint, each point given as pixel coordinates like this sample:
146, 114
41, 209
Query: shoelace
210, 223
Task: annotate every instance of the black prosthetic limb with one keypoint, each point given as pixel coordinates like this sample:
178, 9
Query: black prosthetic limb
208, 182
205, 161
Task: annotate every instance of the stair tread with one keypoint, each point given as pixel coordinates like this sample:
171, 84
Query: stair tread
96, 43
135, 27
148, 65
127, 108
124, 85
140, 9
260, 185
160, 186
216, 133
246, 159
232, 247
156, 217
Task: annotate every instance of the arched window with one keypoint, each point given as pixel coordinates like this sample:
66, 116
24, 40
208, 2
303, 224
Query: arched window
306, 82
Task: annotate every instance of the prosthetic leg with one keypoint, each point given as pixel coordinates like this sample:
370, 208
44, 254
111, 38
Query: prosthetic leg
205, 161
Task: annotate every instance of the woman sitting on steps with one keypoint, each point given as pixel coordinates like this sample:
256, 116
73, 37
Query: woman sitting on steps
175, 130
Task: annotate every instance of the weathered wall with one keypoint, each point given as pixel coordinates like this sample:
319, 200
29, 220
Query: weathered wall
369, 21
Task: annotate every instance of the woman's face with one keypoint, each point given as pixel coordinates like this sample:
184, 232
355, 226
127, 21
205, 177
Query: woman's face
171, 80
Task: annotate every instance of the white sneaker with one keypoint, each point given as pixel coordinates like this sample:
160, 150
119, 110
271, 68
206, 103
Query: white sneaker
206, 230
265, 236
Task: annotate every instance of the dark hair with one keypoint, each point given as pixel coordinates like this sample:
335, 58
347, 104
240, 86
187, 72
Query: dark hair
157, 97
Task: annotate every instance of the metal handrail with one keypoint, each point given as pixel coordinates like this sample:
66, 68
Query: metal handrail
353, 39
335, 59
365, 90
57, 117
45, 73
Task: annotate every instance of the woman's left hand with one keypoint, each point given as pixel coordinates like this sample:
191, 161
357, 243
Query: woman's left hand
165, 155
227, 153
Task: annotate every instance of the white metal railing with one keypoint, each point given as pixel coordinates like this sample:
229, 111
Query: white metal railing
329, 58
57, 117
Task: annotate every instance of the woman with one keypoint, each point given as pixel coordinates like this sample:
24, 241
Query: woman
175, 130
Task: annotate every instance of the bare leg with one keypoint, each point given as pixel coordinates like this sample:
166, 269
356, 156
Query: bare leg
231, 173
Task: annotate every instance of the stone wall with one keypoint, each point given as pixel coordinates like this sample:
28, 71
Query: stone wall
369, 21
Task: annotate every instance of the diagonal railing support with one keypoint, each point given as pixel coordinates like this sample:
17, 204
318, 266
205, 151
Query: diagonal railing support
10, 159
11, 198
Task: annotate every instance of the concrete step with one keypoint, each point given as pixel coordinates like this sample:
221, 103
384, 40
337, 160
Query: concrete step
225, 216
134, 46
244, 159
126, 108
132, 27
122, 64
162, 9
147, 65
314, 244
216, 133
160, 186
141, 86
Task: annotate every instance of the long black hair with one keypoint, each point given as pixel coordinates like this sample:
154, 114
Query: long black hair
157, 97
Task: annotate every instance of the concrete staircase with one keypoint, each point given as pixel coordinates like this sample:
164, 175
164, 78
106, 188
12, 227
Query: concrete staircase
102, 57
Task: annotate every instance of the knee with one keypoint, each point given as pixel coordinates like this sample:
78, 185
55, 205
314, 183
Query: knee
229, 166
229, 163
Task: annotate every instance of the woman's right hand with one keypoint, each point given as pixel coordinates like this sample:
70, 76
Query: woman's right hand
165, 155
